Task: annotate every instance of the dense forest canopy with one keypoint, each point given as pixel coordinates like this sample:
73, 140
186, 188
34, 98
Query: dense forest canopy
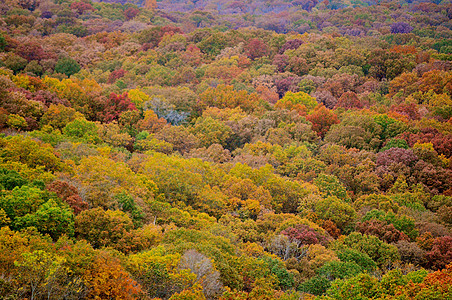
231, 150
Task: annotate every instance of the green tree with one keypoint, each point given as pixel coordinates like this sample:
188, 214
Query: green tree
382, 253
53, 218
67, 65
3, 42
360, 258
22, 201
362, 286
128, 205
82, 129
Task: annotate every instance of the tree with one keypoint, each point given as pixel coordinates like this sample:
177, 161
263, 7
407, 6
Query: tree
150, 4
211, 131
115, 105
69, 194
322, 119
39, 272
114, 135
128, 205
131, 13
349, 100
215, 153
303, 235
291, 45
380, 252
410, 252
81, 7
51, 218
362, 286
180, 137
351, 137
360, 258
16, 122
81, 129
58, 116
300, 102
3, 42
67, 65
23, 201
336, 210
224, 96
401, 27
441, 254
400, 222
29, 152
194, 293
206, 274
329, 185
32, 50
34, 68
12, 245
256, 49
286, 194
151, 122
102, 228
382, 230
9, 179
107, 279
436, 285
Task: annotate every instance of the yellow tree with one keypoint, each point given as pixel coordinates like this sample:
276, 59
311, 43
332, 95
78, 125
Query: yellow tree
150, 4
106, 279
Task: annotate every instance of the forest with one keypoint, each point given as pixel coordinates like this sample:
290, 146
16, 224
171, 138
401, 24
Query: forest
230, 150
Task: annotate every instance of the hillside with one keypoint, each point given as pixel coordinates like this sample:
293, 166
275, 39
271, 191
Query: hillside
225, 150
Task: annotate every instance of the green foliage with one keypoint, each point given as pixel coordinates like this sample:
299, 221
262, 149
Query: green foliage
277, 268
362, 286
379, 251
34, 68
128, 205
68, 66
210, 131
143, 158
361, 259
21, 201
316, 285
16, 122
395, 143
51, 218
83, 130
39, 270
389, 127
338, 269
3, 42
9, 179
297, 98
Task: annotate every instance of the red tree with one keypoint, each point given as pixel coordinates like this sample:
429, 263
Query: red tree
322, 118
256, 48
441, 253
115, 105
